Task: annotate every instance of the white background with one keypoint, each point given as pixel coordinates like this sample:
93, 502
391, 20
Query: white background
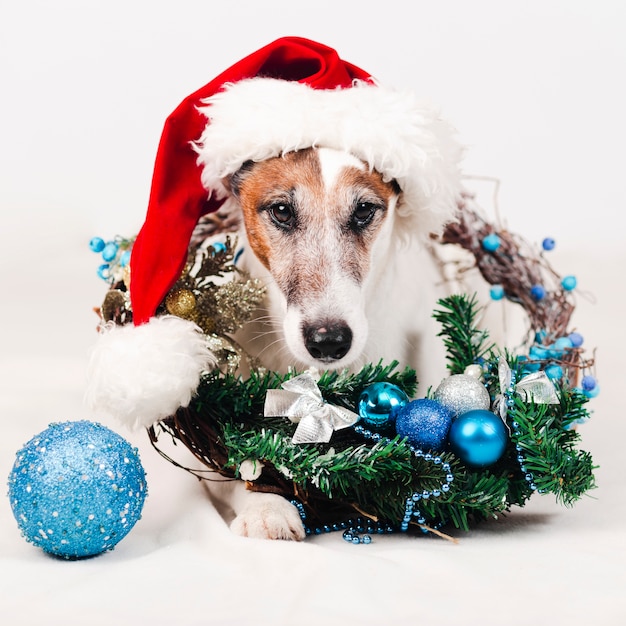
536, 91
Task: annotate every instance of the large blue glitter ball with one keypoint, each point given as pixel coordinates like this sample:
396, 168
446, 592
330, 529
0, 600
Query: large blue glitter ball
77, 489
478, 437
425, 423
379, 402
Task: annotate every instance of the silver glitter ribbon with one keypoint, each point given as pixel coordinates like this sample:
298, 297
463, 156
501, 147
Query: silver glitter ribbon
301, 401
536, 387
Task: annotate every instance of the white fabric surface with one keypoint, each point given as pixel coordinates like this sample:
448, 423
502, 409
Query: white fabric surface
535, 91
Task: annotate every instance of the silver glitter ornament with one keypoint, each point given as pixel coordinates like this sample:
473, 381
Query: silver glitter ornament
461, 393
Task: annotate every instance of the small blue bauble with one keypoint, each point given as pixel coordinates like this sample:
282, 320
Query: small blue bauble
104, 271
77, 489
538, 292
554, 371
125, 258
588, 382
218, 246
569, 283
478, 437
496, 292
96, 244
109, 251
425, 423
538, 353
592, 393
548, 244
491, 242
379, 402
560, 346
576, 339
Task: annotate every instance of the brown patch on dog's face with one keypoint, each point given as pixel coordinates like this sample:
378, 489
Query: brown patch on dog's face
294, 216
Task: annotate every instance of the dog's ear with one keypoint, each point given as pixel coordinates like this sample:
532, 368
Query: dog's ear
234, 181
395, 186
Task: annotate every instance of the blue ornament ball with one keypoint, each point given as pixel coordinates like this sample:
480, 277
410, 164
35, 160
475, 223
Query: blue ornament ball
379, 402
577, 339
569, 283
478, 437
538, 292
554, 371
109, 252
425, 423
496, 292
77, 489
548, 244
96, 244
491, 242
588, 382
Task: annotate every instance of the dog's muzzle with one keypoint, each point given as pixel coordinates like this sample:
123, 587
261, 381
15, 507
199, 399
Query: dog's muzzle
328, 342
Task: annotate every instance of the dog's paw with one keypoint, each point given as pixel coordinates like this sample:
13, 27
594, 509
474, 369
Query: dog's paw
269, 516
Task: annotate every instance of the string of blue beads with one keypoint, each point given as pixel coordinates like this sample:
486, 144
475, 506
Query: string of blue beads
530, 479
410, 509
359, 530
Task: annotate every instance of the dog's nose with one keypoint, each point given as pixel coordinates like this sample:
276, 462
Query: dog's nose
328, 342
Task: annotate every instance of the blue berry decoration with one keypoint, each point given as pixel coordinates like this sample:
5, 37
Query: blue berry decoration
379, 402
478, 437
96, 244
569, 283
77, 489
548, 244
425, 423
496, 292
491, 242
576, 339
110, 251
538, 292
588, 382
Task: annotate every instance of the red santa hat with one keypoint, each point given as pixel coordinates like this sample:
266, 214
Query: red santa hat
289, 95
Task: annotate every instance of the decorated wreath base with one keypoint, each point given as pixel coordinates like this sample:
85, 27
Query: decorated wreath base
386, 479
363, 455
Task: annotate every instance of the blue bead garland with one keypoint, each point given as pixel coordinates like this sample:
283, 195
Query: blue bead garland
528, 476
359, 531
410, 509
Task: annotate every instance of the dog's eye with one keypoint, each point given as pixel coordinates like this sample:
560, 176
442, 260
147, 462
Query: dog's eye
282, 215
363, 214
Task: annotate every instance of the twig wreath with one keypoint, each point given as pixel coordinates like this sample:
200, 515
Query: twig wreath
355, 452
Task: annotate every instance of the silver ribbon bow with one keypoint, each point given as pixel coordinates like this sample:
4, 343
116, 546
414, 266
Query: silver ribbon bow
536, 387
301, 401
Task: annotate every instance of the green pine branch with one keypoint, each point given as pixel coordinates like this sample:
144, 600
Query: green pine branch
465, 343
550, 452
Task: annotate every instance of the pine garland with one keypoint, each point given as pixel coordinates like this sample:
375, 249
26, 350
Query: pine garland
225, 426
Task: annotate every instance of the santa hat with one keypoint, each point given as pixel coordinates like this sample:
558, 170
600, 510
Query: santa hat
289, 95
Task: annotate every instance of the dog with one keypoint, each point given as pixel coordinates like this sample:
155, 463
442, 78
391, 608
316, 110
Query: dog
347, 285
337, 182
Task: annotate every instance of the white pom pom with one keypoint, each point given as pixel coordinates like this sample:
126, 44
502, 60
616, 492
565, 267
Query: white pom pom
141, 374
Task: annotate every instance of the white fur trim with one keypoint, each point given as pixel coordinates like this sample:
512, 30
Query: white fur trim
403, 139
141, 374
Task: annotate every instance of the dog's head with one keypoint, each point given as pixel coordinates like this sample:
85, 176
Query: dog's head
324, 178
317, 219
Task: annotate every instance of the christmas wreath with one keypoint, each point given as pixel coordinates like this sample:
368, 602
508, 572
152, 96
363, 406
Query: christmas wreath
358, 451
